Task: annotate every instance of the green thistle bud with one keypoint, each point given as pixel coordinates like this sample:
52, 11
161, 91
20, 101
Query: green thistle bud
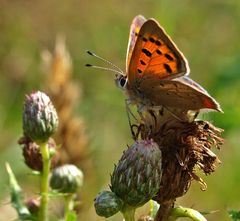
136, 179
40, 118
107, 204
66, 179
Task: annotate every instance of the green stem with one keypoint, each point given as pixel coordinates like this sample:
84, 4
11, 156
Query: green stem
186, 212
128, 213
69, 204
43, 215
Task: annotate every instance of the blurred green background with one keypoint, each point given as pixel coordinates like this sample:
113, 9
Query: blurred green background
207, 32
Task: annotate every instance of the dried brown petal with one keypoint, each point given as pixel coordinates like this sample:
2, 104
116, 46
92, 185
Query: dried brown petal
32, 155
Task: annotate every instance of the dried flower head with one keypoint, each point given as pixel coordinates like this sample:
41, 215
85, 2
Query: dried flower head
33, 205
185, 146
65, 93
40, 118
32, 155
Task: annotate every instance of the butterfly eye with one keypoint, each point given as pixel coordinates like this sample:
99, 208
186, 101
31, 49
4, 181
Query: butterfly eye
121, 81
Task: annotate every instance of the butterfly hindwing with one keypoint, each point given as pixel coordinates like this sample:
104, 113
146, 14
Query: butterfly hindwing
154, 53
180, 92
207, 100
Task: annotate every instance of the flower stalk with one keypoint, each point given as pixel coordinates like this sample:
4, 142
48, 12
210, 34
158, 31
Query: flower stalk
128, 213
186, 212
68, 205
43, 213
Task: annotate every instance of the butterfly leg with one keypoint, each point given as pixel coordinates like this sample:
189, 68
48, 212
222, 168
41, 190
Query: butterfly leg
142, 127
127, 103
149, 119
141, 109
154, 117
132, 126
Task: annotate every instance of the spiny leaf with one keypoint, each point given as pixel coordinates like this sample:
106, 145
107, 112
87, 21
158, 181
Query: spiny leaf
17, 199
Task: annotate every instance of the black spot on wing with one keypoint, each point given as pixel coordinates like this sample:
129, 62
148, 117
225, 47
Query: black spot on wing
169, 57
158, 52
167, 68
151, 39
139, 71
180, 63
144, 39
158, 43
142, 62
146, 52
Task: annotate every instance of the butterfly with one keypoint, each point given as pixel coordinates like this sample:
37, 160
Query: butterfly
157, 72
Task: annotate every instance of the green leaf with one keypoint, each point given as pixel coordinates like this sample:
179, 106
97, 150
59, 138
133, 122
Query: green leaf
35, 173
17, 199
71, 216
154, 206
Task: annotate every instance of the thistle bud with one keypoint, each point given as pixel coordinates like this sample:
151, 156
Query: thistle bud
33, 205
107, 204
40, 118
32, 155
66, 179
136, 179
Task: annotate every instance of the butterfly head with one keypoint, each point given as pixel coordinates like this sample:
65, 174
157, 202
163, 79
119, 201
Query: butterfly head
121, 81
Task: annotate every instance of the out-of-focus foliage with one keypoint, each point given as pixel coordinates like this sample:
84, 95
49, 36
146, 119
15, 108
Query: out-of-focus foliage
235, 215
206, 31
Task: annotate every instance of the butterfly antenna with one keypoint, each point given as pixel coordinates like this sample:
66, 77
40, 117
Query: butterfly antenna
106, 61
104, 68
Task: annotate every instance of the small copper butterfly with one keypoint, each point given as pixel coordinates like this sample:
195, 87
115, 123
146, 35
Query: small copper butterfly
157, 71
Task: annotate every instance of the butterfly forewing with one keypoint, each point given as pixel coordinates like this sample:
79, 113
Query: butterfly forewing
134, 31
154, 53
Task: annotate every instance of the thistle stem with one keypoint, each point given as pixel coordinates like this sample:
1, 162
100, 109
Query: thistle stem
128, 213
43, 213
186, 212
69, 204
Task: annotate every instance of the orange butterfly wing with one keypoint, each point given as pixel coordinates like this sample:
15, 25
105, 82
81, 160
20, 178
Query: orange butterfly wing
137, 23
154, 54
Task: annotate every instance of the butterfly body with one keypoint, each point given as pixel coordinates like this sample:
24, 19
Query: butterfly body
157, 72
